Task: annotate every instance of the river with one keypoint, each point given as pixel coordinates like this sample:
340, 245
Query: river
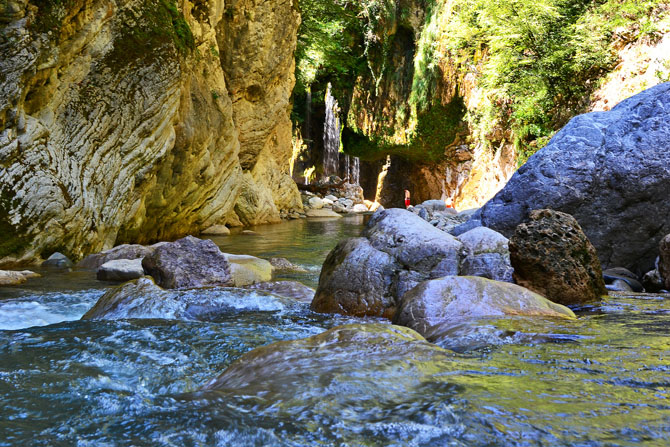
603, 380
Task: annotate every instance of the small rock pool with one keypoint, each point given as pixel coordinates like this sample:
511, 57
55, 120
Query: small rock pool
603, 380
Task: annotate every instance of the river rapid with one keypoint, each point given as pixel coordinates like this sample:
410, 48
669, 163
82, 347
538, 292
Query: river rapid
603, 380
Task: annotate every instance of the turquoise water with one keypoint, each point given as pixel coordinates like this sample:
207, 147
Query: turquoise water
603, 380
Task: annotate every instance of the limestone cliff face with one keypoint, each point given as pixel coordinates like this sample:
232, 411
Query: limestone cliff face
140, 120
431, 151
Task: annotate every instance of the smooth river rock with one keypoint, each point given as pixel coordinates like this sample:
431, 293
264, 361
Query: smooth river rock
453, 299
13, 278
125, 251
607, 169
142, 298
246, 270
120, 270
188, 262
552, 256
368, 275
361, 366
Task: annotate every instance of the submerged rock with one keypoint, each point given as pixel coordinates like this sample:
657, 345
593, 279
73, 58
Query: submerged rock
246, 270
13, 278
284, 265
486, 254
287, 289
142, 298
553, 257
120, 270
366, 367
188, 262
368, 275
607, 169
453, 299
322, 213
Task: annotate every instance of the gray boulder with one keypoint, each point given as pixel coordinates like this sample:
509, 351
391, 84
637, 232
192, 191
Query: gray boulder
125, 251
452, 299
368, 275
188, 262
58, 260
486, 254
615, 276
610, 170
142, 298
358, 280
652, 281
120, 270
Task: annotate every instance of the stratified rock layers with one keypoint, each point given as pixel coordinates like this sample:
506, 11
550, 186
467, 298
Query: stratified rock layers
136, 120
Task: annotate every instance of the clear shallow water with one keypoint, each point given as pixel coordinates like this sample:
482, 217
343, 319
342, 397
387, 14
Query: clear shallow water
603, 380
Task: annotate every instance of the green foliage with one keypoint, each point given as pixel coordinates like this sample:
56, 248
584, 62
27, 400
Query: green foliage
542, 55
328, 42
436, 129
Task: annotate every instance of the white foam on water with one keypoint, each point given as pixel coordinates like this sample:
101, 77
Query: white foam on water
43, 310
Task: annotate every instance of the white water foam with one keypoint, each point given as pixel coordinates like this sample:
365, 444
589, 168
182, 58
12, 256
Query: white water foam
43, 310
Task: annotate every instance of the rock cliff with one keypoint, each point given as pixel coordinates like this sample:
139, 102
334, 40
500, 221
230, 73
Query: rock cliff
138, 120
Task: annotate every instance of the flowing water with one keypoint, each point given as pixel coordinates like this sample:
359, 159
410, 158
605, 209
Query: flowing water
603, 380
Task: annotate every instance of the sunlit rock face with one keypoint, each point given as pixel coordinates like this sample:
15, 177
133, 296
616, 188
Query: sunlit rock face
136, 120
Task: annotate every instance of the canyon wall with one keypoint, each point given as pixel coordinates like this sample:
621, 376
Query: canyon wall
424, 143
141, 120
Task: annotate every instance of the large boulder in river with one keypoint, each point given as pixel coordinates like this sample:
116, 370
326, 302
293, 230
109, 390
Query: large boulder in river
486, 254
610, 170
188, 262
125, 251
453, 299
142, 298
347, 368
552, 256
664, 261
358, 280
369, 275
120, 270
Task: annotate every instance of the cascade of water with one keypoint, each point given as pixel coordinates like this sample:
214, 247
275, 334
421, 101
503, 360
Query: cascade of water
331, 135
355, 171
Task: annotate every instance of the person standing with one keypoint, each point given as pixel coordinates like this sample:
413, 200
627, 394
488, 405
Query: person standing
406, 198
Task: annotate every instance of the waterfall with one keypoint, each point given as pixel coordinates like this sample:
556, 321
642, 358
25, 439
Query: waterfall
331, 135
355, 171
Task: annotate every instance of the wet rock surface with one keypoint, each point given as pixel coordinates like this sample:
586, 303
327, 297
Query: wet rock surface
12, 278
609, 171
368, 275
371, 367
188, 262
125, 251
120, 270
453, 299
288, 289
553, 257
143, 299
